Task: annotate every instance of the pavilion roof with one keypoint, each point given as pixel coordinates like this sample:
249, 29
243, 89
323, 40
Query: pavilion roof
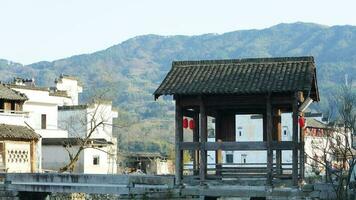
241, 76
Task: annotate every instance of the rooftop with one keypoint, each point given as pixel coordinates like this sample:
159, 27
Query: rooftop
14, 132
241, 76
9, 94
73, 141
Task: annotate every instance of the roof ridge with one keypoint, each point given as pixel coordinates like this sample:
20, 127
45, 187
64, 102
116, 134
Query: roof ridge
244, 60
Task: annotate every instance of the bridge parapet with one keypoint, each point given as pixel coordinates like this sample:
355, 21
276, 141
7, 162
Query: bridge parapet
86, 183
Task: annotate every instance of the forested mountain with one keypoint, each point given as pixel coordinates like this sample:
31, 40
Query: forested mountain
129, 72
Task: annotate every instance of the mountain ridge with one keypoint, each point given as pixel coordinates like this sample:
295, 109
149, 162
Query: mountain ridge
133, 69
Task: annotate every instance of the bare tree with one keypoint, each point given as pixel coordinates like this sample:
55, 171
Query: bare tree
82, 127
334, 151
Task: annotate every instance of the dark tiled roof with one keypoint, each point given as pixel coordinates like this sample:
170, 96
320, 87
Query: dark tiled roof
13, 132
240, 76
313, 123
10, 94
73, 107
58, 93
28, 87
73, 141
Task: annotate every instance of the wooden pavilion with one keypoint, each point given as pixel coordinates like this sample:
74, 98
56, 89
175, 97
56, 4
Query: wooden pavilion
223, 89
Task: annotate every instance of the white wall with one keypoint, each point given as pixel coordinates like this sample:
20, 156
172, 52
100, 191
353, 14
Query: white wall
13, 119
74, 121
18, 157
252, 130
102, 167
55, 156
72, 88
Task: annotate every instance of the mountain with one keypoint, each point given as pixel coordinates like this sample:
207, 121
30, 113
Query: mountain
129, 72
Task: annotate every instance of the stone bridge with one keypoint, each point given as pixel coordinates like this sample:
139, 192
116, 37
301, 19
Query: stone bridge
39, 185
42, 184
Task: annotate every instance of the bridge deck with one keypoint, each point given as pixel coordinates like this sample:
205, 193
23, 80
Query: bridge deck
136, 185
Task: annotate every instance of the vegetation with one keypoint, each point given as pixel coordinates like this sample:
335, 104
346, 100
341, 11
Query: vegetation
133, 69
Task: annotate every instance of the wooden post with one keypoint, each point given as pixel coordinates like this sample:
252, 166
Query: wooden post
269, 140
33, 156
302, 156
218, 138
203, 140
178, 140
295, 141
196, 139
277, 131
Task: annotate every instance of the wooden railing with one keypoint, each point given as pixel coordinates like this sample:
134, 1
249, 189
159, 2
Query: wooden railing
13, 112
232, 146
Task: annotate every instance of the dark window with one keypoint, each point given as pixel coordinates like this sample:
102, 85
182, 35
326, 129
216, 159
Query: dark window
240, 133
43, 121
96, 160
285, 132
229, 158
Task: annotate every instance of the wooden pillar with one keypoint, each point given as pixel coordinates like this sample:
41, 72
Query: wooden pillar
218, 138
178, 140
302, 156
203, 139
196, 139
33, 156
269, 141
277, 132
295, 141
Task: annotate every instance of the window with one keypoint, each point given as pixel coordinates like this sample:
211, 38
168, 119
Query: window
43, 121
285, 130
229, 158
239, 130
243, 158
96, 160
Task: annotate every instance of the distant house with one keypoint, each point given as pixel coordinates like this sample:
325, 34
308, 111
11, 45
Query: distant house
55, 113
77, 120
18, 142
148, 163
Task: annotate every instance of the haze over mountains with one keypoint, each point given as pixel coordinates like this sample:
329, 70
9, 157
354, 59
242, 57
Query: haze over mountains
133, 69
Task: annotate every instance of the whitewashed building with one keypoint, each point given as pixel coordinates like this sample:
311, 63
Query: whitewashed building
18, 141
54, 113
250, 128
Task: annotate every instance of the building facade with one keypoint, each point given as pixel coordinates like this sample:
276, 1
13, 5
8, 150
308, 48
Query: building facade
55, 114
19, 144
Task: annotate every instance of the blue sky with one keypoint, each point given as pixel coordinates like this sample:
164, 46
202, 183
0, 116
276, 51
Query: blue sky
39, 30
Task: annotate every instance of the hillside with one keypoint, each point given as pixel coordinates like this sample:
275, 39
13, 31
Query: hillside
133, 69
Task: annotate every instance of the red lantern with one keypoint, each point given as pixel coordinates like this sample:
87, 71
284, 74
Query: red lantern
192, 124
301, 122
185, 123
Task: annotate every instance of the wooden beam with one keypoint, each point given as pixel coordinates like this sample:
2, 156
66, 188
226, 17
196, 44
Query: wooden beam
231, 146
241, 146
295, 141
178, 140
269, 140
203, 139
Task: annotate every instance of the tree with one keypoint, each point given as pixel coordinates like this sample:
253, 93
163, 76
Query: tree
82, 127
334, 151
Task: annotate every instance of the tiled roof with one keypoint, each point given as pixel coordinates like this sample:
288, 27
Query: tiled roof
59, 93
313, 123
13, 132
10, 94
74, 141
73, 107
240, 76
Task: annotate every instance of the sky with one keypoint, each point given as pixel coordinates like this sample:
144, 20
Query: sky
37, 30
